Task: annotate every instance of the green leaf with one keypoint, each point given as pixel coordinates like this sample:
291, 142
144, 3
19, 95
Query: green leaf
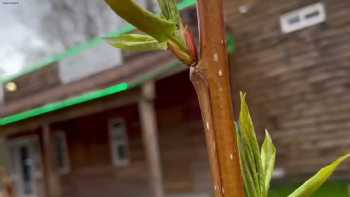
136, 42
247, 165
315, 182
249, 150
268, 157
169, 10
157, 27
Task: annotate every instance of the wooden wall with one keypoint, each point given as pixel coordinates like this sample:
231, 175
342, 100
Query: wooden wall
39, 81
182, 148
182, 140
92, 172
298, 84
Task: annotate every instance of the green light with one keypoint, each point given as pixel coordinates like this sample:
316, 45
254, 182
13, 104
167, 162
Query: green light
231, 45
79, 48
186, 4
89, 96
98, 94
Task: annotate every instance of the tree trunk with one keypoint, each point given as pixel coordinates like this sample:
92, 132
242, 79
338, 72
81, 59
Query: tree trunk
210, 78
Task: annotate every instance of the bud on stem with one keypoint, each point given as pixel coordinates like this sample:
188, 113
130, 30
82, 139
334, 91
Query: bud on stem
188, 55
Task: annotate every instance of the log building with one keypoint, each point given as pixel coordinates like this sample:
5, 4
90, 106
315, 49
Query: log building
135, 129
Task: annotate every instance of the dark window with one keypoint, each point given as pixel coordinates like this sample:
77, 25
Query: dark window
26, 168
293, 20
122, 152
312, 14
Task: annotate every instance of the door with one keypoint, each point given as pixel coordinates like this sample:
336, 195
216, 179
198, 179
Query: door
26, 168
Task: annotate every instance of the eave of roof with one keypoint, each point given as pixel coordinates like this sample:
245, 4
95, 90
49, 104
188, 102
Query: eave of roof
100, 93
88, 96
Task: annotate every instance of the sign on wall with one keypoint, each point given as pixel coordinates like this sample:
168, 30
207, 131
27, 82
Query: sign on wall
302, 18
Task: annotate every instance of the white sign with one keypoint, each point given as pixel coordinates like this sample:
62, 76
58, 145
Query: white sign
302, 18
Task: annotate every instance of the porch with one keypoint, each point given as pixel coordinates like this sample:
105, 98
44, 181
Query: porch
143, 142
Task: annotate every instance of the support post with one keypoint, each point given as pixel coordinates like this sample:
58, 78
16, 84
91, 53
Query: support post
150, 138
51, 178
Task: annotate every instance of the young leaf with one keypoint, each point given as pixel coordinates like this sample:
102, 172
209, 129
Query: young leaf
157, 27
268, 157
315, 182
136, 42
250, 154
247, 126
247, 165
169, 10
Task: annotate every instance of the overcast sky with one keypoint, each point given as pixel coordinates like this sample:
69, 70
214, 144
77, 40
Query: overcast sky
18, 21
34, 29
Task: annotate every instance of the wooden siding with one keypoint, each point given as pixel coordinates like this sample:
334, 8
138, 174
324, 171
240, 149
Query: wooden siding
39, 81
92, 172
130, 71
182, 148
181, 137
298, 84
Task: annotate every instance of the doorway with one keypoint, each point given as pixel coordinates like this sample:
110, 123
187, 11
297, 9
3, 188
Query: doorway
26, 165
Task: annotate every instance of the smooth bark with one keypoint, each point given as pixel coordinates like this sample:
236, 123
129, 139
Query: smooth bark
211, 80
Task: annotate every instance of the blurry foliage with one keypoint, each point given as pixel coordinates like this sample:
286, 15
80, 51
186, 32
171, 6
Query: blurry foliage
257, 164
164, 31
341, 189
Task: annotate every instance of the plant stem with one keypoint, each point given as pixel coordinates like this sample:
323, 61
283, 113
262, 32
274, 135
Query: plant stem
210, 78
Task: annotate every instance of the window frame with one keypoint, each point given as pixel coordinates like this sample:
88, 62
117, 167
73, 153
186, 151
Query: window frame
61, 135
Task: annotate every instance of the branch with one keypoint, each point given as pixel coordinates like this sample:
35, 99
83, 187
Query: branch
211, 80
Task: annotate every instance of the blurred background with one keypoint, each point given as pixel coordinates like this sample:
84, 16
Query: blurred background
79, 118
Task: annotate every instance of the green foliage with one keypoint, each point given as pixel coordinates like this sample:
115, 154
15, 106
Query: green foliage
169, 10
329, 189
257, 165
153, 25
136, 42
268, 157
315, 182
166, 30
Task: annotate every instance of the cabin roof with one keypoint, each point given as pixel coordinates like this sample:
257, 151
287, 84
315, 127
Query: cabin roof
111, 81
134, 73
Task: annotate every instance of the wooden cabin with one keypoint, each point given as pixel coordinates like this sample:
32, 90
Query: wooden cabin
296, 77
140, 130
135, 130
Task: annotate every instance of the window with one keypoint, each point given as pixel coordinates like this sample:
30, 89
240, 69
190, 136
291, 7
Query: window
119, 142
312, 14
293, 20
61, 152
302, 18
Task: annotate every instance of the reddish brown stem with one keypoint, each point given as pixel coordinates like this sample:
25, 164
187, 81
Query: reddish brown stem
210, 78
